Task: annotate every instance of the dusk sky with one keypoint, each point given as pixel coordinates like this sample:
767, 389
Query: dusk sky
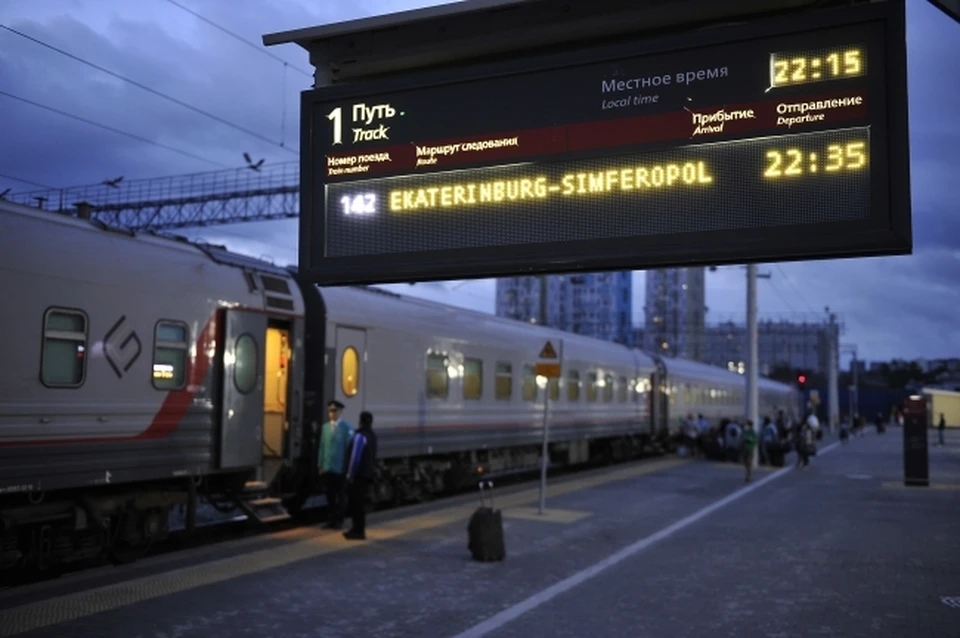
905, 307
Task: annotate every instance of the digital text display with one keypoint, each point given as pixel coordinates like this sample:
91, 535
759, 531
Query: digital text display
784, 130
806, 178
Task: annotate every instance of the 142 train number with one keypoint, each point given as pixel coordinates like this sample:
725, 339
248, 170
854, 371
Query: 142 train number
362, 204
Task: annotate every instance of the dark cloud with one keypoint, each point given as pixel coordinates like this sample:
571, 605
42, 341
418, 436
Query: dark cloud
901, 306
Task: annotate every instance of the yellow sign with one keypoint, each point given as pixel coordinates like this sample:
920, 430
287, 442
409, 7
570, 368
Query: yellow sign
548, 370
548, 352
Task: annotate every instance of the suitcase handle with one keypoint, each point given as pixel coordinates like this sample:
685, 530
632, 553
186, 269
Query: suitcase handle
488, 493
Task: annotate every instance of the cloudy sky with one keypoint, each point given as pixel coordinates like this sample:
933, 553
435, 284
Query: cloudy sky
892, 307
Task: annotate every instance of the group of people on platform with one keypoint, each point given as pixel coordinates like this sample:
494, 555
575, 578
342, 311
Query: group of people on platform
346, 462
736, 443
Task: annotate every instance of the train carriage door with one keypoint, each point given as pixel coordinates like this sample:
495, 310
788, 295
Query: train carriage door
659, 400
349, 386
241, 419
276, 391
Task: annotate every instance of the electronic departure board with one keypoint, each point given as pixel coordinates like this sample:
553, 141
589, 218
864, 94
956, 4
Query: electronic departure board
776, 140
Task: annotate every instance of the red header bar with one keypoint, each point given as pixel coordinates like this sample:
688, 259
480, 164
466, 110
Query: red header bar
691, 125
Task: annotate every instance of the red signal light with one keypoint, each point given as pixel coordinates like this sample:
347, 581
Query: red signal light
802, 378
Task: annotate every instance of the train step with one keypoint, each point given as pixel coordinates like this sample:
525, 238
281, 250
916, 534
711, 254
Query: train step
265, 510
255, 486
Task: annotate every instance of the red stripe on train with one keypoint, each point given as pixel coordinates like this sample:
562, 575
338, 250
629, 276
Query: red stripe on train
177, 403
174, 406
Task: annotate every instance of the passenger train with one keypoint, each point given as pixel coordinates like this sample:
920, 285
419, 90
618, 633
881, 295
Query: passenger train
143, 371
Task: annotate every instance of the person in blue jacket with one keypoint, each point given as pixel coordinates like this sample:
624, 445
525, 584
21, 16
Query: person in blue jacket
360, 471
334, 438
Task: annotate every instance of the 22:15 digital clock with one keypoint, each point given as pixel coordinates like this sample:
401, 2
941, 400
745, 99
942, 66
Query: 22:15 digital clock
804, 67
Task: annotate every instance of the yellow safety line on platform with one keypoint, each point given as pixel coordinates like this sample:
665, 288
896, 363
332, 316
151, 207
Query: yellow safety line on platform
93, 601
548, 516
890, 485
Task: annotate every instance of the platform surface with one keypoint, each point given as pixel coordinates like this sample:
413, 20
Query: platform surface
665, 547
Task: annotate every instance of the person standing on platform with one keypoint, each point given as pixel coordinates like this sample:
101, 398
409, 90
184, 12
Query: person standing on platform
334, 439
360, 471
769, 435
941, 428
748, 443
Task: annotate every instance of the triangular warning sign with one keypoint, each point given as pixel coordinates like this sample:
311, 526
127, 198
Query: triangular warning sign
548, 352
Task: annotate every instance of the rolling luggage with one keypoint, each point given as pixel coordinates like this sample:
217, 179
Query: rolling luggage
778, 453
485, 529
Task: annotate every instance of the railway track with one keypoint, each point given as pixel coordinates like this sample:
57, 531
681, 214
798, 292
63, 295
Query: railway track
232, 528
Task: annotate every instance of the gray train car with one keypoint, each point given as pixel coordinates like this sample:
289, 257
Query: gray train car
697, 388
146, 370
137, 370
454, 392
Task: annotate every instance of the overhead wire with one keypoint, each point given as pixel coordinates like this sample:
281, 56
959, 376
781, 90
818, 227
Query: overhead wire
113, 130
25, 181
148, 89
239, 38
801, 297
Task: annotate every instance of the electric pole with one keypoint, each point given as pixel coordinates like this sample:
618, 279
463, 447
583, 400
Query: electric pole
832, 389
753, 353
543, 300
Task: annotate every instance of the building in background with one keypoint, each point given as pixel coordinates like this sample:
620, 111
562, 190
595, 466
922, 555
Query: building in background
675, 313
598, 305
798, 345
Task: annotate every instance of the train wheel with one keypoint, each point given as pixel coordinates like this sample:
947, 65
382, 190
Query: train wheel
383, 492
134, 537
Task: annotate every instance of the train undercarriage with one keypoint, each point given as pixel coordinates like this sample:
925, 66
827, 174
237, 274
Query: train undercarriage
41, 535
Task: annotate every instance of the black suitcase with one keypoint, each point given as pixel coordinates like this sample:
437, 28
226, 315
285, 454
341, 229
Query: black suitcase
485, 530
777, 455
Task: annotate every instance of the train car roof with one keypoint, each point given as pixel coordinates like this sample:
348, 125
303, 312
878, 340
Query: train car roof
20, 214
413, 313
687, 368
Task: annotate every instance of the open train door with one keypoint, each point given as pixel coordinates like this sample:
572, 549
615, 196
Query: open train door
349, 386
241, 418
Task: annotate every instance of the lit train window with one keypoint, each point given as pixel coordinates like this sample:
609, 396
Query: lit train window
573, 385
438, 379
622, 389
553, 387
529, 384
62, 363
591, 387
472, 379
246, 364
608, 388
170, 355
350, 372
504, 381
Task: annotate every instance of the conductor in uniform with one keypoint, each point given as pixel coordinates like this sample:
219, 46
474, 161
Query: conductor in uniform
360, 471
334, 439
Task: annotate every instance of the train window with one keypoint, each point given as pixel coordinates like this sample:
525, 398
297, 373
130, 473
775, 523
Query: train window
62, 363
246, 365
553, 387
591, 387
350, 372
472, 378
170, 346
504, 381
608, 388
438, 379
573, 385
622, 389
529, 384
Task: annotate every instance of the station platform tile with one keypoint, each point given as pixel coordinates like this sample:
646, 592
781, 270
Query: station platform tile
667, 547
